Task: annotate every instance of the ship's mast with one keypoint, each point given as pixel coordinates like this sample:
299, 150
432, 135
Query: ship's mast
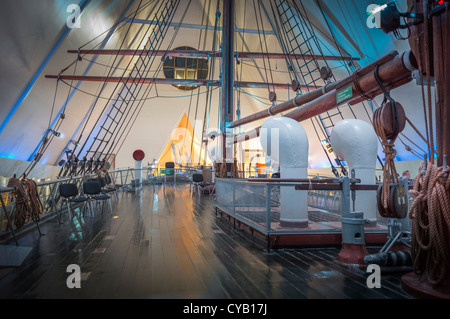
227, 98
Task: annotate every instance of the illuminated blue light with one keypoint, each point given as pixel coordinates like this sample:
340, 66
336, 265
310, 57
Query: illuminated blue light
11, 156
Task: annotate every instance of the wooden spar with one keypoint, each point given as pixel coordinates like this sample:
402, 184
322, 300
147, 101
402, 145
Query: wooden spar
207, 54
312, 95
276, 109
393, 74
115, 79
241, 84
318, 107
328, 101
397, 83
278, 86
254, 133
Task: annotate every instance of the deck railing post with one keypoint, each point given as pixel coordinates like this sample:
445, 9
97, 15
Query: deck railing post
10, 226
353, 240
234, 197
268, 224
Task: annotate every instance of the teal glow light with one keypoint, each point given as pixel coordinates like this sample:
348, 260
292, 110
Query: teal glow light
11, 156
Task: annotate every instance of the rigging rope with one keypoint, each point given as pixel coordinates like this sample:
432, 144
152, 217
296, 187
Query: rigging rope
116, 132
430, 214
306, 28
22, 207
46, 140
60, 119
287, 54
428, 76
349, 67
264, 57
116, 25
389, 171
146, 92
33, 196
208, 99
430, 210
388, 135
105, 83
28, 205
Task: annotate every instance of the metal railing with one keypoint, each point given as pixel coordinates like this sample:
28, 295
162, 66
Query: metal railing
127, 178
257, 204
254, 204
48, 192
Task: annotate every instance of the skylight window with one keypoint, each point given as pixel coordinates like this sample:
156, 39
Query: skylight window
181, 68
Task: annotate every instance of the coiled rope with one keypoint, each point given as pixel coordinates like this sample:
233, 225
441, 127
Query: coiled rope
389, 170
388, 135
28, 205
33, 197
430, 214
222, 170
22, 205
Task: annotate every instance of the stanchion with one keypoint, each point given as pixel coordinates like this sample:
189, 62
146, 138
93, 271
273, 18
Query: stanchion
138, 156
353, 239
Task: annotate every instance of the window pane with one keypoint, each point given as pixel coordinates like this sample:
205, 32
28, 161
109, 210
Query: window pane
168, 73
191, 74
180, 62
190, 68
169, 61
203, 64
179, 74
202, 74
190, 63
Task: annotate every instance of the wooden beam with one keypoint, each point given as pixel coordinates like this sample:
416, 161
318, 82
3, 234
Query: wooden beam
198, 26
394, 73
206, 54
311, 95
241, 84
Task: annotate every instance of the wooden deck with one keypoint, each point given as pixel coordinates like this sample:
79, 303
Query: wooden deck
168, 243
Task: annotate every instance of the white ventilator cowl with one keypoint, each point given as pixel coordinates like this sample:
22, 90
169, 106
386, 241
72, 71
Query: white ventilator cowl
355, 141
285, 141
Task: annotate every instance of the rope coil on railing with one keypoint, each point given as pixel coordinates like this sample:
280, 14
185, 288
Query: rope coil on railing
430, 214
33, 197
22, 205
28, 205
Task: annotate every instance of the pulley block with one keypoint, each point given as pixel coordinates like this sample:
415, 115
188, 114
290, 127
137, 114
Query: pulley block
326, 73
397, 202
295, 85
272, 96
391, 117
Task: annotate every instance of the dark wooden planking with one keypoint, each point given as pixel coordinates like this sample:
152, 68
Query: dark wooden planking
334, 279
390, 281
168, 243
